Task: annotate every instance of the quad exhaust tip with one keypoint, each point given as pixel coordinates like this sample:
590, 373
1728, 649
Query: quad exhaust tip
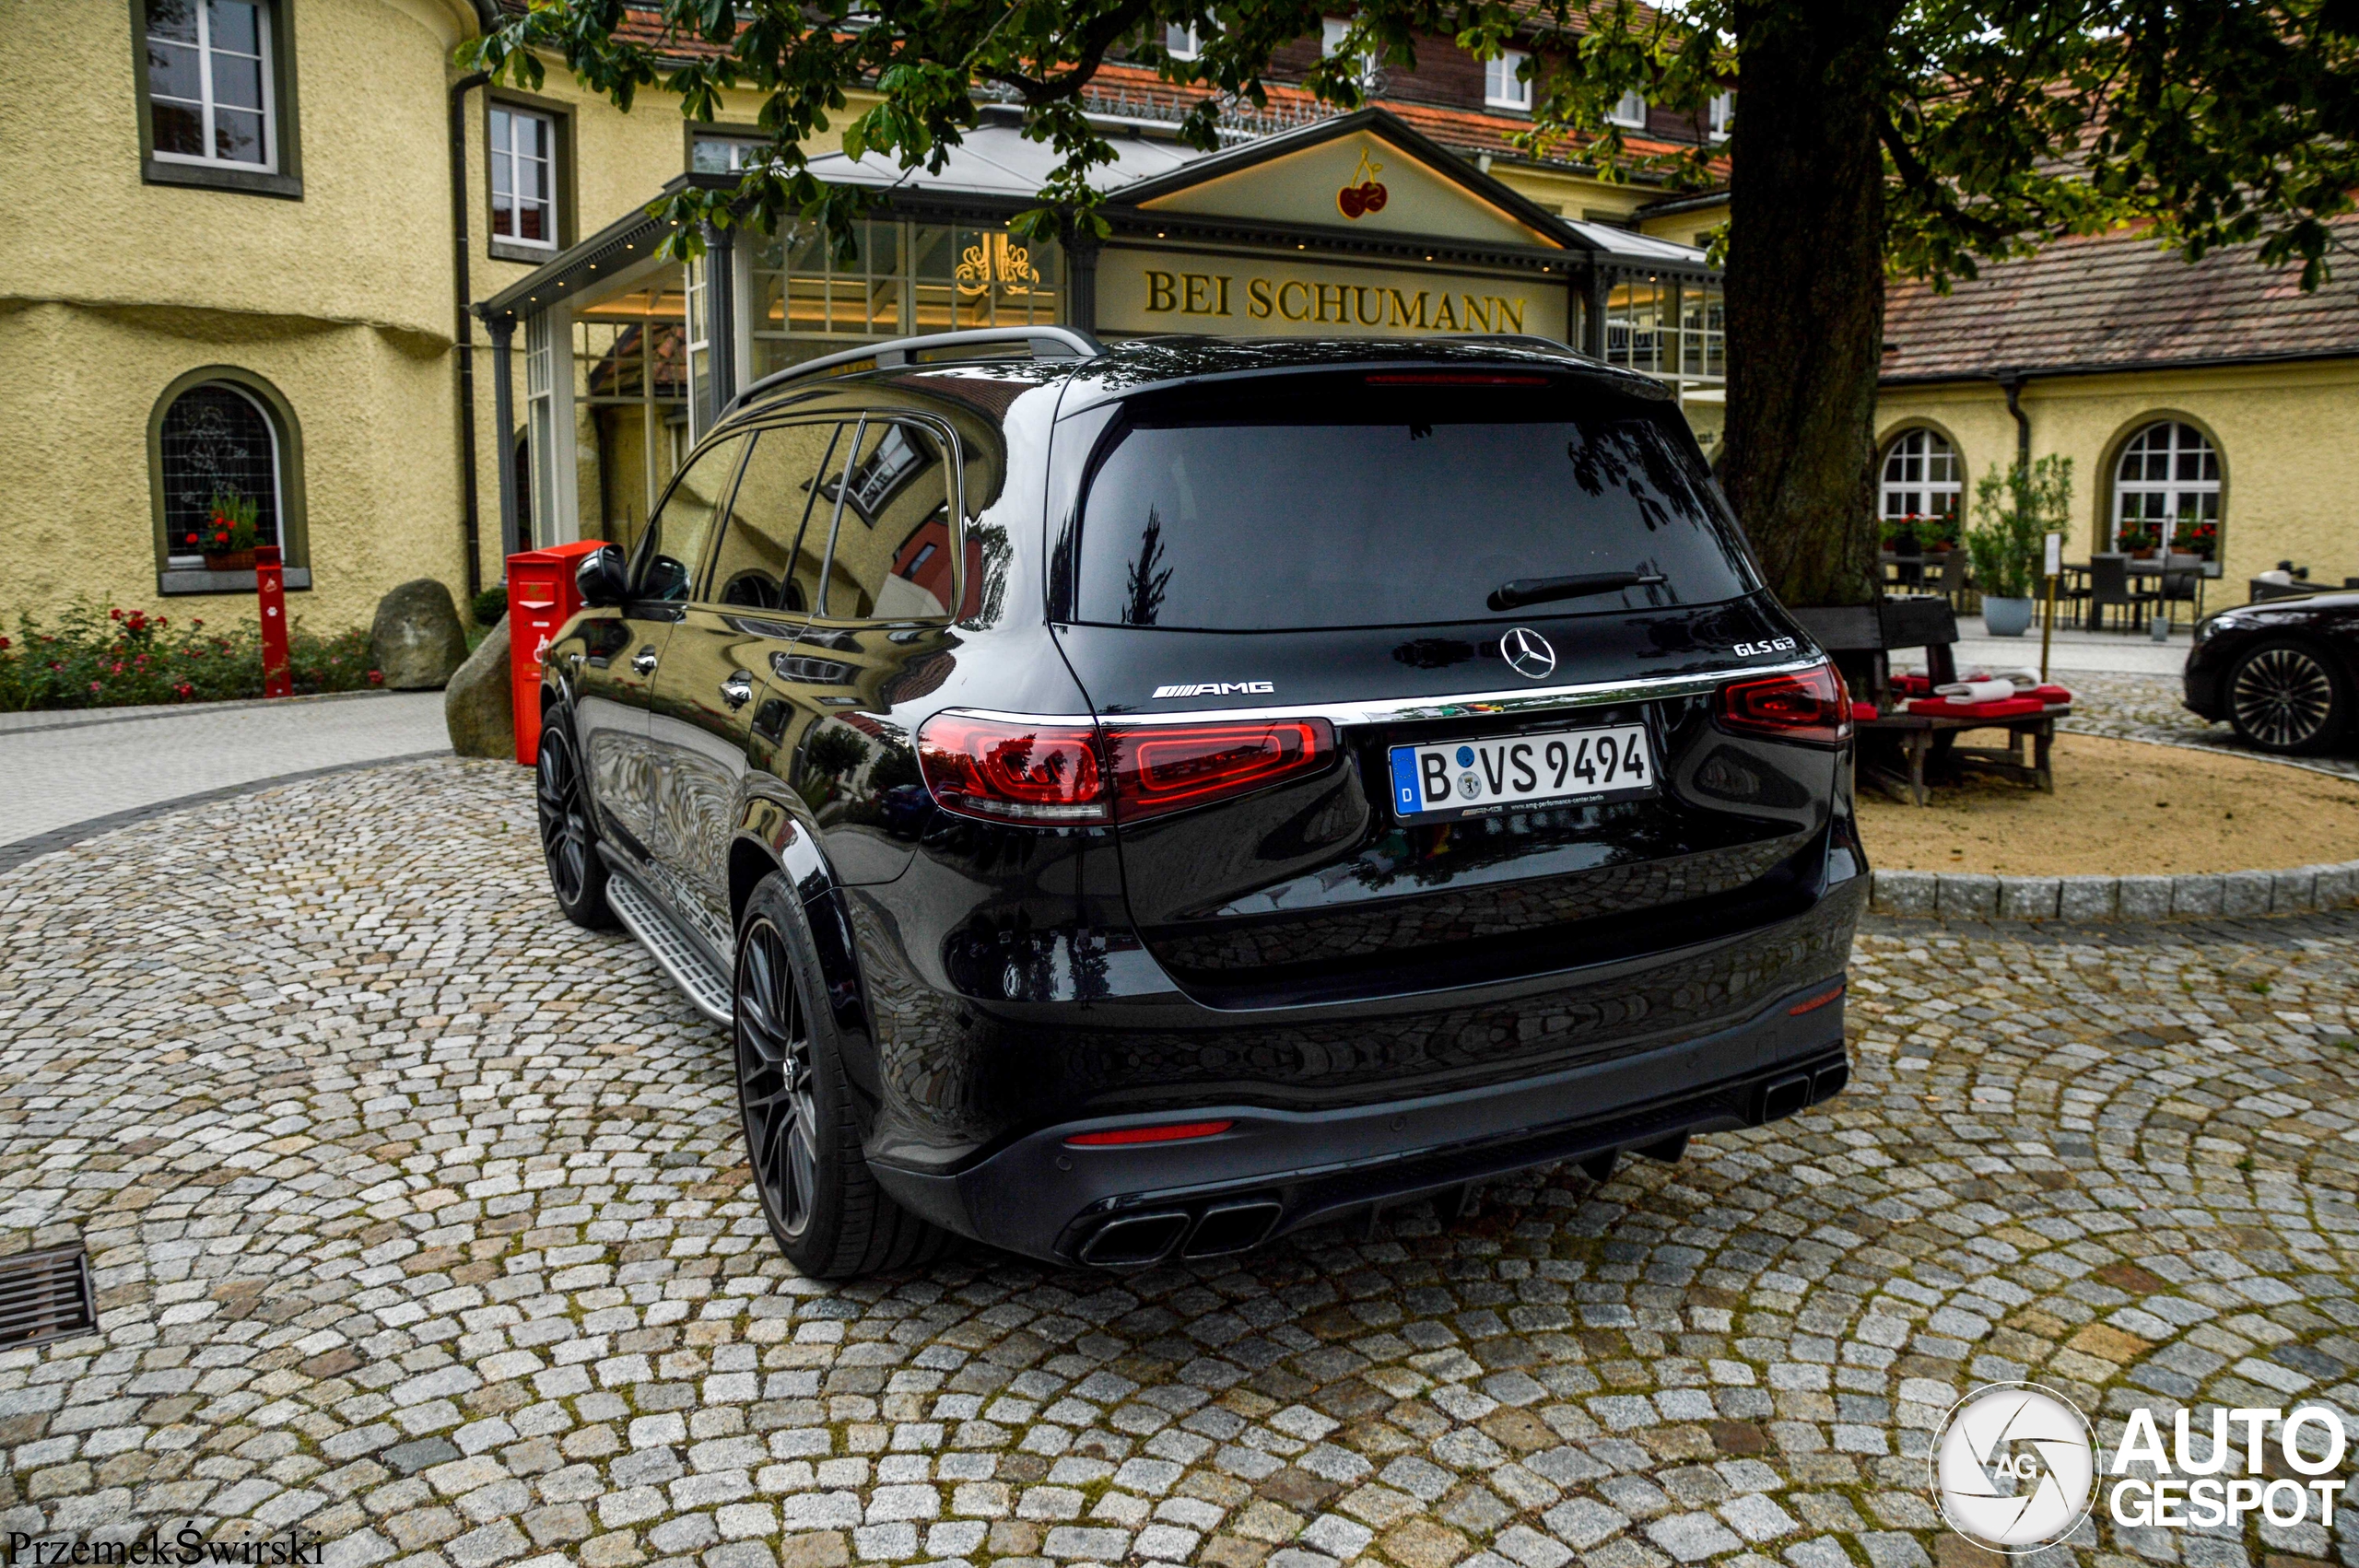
1141, 1240
1787, 1095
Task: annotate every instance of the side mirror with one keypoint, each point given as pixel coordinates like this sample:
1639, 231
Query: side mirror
604, 578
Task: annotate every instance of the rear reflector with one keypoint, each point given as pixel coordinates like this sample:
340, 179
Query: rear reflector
1170, 1133
1809, 705
1814, 1003
1014, 770
1170, 767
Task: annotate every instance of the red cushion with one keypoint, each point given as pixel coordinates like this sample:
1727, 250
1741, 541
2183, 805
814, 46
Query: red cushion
1862, 712
2002, 708
2051, 694
1913, 686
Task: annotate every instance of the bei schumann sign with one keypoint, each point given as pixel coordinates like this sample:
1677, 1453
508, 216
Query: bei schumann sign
1258, 296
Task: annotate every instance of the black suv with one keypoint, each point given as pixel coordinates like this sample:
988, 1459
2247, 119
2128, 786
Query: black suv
1128, 802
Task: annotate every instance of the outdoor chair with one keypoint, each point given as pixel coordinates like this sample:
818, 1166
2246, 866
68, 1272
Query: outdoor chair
1946, 575
2182, 584
2110, 588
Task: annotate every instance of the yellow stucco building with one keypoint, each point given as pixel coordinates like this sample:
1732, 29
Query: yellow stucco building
248, 282
2206, 407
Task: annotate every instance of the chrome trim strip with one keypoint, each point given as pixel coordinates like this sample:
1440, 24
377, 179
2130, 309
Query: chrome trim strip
1595, 694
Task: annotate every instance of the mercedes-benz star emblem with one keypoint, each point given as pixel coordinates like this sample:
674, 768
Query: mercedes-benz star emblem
1528, 653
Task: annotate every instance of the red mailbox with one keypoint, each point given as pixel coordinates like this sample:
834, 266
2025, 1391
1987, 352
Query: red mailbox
541, 598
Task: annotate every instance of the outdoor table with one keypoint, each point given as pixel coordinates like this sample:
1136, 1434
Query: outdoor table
1925, 736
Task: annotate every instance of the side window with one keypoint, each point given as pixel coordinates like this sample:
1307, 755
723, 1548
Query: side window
770, 555
674, 546
890, 556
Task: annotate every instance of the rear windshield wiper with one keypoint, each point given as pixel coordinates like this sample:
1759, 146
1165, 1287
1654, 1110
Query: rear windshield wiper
1542, 589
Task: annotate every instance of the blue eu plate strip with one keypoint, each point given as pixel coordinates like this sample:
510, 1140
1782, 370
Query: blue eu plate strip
1407, 796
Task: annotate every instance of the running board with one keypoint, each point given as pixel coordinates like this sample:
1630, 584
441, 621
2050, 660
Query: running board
706, 988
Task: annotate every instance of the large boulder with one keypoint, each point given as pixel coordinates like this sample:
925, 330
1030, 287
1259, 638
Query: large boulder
480, 705
416, 642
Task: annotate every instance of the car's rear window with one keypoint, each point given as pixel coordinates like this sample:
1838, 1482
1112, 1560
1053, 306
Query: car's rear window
1359, 504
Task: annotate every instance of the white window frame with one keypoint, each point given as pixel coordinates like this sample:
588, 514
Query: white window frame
1504, 84
494, 152
1720, 116
739, 147
265, 23
1630, 111
1181, 43
1906, 469
1331, 39
2179, 438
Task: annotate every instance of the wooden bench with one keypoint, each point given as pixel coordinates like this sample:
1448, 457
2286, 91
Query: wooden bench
1927, 737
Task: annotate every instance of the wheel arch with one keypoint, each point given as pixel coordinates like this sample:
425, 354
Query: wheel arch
769, 839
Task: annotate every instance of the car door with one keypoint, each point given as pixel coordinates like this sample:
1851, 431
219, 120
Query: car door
754, 600
616, 679
878, 637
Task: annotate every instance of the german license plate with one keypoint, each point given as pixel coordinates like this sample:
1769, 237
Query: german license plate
1456, 779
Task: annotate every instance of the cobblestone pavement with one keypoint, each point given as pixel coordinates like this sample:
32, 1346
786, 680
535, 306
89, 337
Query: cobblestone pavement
61, 768
2148, 707
416, 1221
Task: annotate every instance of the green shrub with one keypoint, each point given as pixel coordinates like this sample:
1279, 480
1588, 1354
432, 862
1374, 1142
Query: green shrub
122, 658
489, 605
2013, 517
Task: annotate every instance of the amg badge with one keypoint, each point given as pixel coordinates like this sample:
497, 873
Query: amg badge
1217, 688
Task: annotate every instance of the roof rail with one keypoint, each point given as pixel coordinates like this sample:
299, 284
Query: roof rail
1532, 341
1045, 343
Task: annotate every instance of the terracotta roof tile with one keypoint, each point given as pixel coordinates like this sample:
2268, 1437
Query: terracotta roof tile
2119, 300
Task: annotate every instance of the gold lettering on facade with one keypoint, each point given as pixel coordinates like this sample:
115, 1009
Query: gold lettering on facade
995, 260
1331, 304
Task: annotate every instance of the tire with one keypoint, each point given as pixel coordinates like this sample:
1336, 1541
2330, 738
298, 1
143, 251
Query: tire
828, 1215
569, 831
2282, 697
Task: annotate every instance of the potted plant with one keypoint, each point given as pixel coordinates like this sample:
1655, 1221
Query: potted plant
227, 540
2138, 540
2012, 515
2195, 537
1900, 535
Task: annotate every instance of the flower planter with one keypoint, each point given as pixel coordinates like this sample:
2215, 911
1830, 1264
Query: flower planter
230, 561
2006, 617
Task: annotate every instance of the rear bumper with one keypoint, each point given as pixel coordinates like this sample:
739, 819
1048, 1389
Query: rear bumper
1273, 1170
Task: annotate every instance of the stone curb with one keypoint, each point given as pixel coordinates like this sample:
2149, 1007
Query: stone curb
1971, 896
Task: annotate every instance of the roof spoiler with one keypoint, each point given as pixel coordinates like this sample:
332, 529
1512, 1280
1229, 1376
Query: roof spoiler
1045, 343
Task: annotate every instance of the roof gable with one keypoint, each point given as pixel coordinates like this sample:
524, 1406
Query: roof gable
1366, 172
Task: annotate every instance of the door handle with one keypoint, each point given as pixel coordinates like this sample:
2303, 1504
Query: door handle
738, 689
645, 662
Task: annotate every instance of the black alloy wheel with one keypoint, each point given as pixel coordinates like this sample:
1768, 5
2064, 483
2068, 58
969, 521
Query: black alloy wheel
823, 1204
569, 838
2282, 697
774, 1080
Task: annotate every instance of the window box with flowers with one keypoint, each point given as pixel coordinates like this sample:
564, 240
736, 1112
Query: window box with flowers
230, 536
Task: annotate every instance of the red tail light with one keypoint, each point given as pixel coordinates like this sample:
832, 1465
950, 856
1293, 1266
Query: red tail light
1171, 766
1809, 705
1172, 1132
1014, 769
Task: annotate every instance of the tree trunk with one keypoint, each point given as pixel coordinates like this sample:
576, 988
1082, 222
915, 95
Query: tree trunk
1805, 292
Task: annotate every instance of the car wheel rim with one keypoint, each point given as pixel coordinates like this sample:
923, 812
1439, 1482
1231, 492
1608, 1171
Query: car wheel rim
565, 822
2282, 696
774, 1079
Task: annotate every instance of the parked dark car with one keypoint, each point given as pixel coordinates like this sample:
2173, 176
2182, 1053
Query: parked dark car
1130, 803
2282, 673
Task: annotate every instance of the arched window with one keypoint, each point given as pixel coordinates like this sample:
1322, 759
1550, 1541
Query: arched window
2166, 491
218, 443
1919, 478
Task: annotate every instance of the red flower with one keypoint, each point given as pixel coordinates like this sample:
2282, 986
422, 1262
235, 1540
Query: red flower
184, 688
114, 615
5, 645
196, 626
94, 686
118, 668
376, 677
